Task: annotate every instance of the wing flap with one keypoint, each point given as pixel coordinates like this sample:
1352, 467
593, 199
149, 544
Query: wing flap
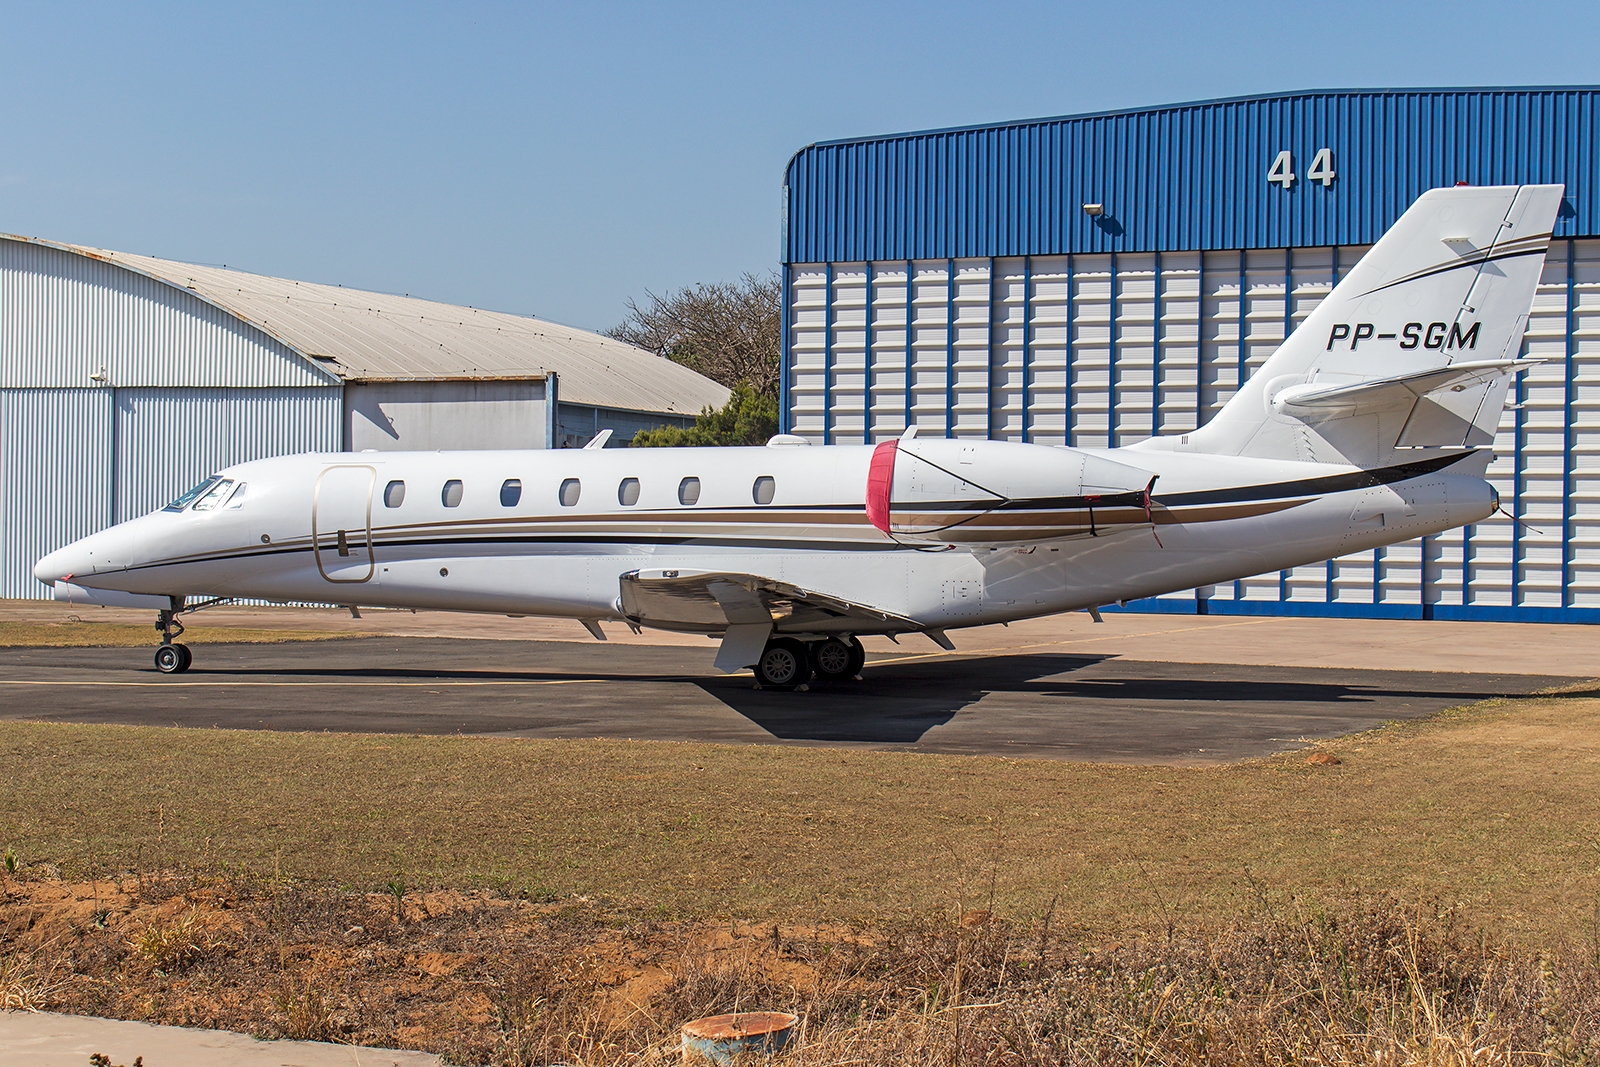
714, 601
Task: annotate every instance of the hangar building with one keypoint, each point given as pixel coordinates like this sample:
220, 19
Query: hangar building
1095, 279
124, 380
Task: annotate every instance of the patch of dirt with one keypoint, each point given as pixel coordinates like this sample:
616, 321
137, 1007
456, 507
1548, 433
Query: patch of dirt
485, 978
442, 971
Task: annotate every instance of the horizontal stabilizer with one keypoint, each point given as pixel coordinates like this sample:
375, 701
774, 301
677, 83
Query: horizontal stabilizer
1387, 392
1444, 406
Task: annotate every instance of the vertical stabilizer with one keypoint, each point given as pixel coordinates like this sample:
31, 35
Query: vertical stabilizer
1450, 283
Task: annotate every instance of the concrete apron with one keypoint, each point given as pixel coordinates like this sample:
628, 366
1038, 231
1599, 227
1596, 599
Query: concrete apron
42, 1039
1265, 641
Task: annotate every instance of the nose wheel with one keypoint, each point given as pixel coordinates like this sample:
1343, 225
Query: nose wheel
173, 659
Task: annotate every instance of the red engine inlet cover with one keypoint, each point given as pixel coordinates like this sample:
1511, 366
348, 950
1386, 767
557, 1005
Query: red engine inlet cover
880, 481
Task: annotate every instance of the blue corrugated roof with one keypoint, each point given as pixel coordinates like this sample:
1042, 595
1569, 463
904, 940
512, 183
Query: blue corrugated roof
1185, 177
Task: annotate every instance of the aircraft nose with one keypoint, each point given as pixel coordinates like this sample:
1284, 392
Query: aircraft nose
98, 553
63, 564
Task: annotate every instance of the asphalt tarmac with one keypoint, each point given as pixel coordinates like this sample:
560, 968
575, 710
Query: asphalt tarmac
1049, 705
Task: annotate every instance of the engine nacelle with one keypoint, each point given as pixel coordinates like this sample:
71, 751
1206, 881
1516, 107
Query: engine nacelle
993, 492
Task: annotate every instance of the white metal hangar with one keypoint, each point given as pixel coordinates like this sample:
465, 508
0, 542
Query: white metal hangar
124, 380
1096, 279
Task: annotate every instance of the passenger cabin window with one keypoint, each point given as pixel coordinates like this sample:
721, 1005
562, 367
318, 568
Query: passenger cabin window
450, 496
570, 490
628, 492
510, 492
212, 498
189, 498
236, 501
763, 489
394, 494
689, 491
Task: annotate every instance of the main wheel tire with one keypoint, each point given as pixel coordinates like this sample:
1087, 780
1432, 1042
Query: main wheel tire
783, 664
858, 656
188, 657
170, 659
835, 658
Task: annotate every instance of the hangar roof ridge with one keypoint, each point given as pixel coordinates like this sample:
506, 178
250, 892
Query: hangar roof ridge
357, 335
1156, 109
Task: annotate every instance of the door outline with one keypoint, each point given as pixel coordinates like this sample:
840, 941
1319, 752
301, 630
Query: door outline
316, 503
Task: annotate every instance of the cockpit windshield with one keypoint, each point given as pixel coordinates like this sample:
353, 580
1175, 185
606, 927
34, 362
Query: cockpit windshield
189, 498
211, 498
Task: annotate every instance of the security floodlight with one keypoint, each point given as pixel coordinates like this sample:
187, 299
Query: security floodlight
1094, 210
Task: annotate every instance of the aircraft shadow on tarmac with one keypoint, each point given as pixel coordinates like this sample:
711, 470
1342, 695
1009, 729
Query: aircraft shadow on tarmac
896, 702
901, 702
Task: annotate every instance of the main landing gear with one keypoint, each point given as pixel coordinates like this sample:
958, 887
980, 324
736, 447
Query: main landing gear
171, 658
787, 663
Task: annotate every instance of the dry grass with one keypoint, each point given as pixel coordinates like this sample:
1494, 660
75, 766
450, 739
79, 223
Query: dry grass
1494, 809
487, 979
170, 946
1433, 898
124, 635
32, 980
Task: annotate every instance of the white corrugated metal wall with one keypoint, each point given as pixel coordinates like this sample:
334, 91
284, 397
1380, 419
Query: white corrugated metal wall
1103, 350
65, 318
55, 476
117, 392
169, 439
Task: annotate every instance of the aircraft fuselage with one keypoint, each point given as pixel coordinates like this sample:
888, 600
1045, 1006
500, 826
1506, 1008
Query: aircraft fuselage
508, 532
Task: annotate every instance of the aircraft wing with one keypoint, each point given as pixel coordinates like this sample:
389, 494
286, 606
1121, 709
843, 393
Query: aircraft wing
746, 608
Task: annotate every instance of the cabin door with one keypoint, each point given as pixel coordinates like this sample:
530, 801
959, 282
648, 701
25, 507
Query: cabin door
341, 522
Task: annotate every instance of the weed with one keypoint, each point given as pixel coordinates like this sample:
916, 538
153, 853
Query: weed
169, 947
33, 981
307, 1014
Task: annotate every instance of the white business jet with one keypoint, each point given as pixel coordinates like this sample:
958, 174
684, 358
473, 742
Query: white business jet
1366, 427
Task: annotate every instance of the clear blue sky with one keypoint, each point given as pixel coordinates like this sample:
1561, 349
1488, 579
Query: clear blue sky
554, 160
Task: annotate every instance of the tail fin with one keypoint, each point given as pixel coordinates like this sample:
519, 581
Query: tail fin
1447, 289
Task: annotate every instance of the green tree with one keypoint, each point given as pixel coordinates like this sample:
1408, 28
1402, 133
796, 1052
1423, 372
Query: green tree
748, 418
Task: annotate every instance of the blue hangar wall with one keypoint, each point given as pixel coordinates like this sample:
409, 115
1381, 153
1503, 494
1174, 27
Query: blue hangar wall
955, 280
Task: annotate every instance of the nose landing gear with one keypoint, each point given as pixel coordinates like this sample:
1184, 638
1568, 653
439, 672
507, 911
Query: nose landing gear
171, 658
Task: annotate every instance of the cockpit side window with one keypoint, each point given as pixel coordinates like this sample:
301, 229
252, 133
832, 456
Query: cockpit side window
236, 501
189, 498
212, 498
